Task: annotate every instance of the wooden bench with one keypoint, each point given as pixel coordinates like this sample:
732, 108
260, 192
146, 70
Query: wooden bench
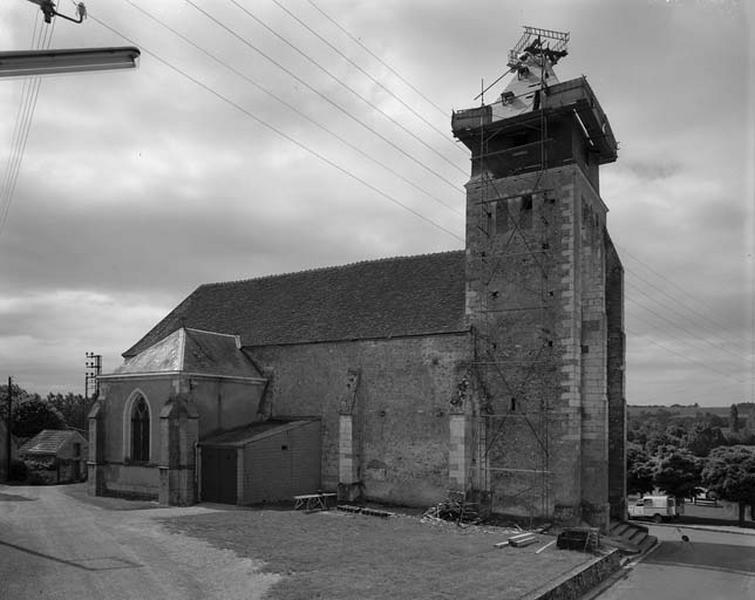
312, 502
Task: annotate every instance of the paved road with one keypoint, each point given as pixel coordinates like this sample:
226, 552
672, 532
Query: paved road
711, 566
55, 546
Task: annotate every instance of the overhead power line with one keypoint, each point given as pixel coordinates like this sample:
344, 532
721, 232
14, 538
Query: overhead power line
333, 103
291, 107
357, 41
676, 325
281, 133
443, 134
687, 358
41, 39
666, 279
689, 347
709, 395
705, 323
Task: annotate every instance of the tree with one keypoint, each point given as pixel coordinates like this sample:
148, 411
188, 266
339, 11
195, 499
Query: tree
31, 415
730, 473
639, 470
678, 474
676, 434
734, 418
19, 395
703, 438
73, 407
716, 421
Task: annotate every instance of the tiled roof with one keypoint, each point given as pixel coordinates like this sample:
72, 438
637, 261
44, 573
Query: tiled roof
192, 351
377, 299
49, 441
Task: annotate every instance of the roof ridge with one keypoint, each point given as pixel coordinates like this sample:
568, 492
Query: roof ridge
195, 330
386, 259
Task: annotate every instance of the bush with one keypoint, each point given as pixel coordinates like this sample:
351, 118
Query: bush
18, 470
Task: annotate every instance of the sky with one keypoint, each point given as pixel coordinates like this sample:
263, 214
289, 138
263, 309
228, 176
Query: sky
269, 136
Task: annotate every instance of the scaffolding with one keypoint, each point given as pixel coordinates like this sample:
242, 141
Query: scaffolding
511, 428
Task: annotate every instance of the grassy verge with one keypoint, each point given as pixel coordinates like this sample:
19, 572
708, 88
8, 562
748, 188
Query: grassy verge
334, 555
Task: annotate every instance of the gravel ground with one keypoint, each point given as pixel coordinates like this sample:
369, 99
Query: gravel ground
56, 543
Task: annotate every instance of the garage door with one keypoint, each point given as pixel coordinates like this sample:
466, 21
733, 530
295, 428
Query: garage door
219, 475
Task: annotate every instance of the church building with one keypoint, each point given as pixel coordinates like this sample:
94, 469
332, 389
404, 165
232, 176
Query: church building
496, 371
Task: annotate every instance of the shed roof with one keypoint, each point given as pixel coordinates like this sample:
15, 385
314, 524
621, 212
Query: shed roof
50, 441
192, 351
400, 296
247, 434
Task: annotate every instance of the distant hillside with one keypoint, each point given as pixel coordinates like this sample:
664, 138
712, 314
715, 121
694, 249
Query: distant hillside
680, 411
717, 416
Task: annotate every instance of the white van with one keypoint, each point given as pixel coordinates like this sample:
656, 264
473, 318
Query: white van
658, 508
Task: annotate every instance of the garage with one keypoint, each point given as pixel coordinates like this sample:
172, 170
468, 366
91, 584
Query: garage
260, 463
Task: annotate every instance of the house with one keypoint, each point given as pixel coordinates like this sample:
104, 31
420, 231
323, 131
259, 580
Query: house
496, 370
58, 456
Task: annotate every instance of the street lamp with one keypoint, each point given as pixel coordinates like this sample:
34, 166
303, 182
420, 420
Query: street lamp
52, 62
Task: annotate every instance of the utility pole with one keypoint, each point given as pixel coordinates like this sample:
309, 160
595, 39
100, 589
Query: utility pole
8, 422
69, 60
93, 369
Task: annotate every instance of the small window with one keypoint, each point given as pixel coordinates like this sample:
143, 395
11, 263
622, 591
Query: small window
140, 431
77, 450
525, 212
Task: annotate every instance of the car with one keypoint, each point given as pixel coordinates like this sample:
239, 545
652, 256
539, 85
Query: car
657, 508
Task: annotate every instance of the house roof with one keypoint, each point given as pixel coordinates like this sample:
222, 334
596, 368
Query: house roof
50, 441
240, 436
401, 296
192, 351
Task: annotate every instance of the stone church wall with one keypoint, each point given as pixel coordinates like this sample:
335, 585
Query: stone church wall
536, 300
400, 407
617, 484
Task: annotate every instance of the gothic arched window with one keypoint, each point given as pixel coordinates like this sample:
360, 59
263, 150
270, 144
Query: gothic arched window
140, 431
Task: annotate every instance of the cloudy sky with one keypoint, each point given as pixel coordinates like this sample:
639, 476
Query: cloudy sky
245, 144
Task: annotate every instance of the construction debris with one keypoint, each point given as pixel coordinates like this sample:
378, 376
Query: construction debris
539, 550
585, 539
363, 510
522, 539
455, 509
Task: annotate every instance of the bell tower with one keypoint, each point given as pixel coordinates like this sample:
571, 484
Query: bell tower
544, 434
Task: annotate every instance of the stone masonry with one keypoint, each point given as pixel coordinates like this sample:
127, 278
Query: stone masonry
536, 302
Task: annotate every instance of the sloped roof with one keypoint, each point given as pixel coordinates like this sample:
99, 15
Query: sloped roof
49, 441
240, 436
376, 299
192, 351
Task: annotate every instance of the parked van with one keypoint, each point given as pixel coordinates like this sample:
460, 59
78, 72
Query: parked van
658, 508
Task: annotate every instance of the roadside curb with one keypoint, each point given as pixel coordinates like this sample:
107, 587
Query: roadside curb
706, 528
580, 580
627, 564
